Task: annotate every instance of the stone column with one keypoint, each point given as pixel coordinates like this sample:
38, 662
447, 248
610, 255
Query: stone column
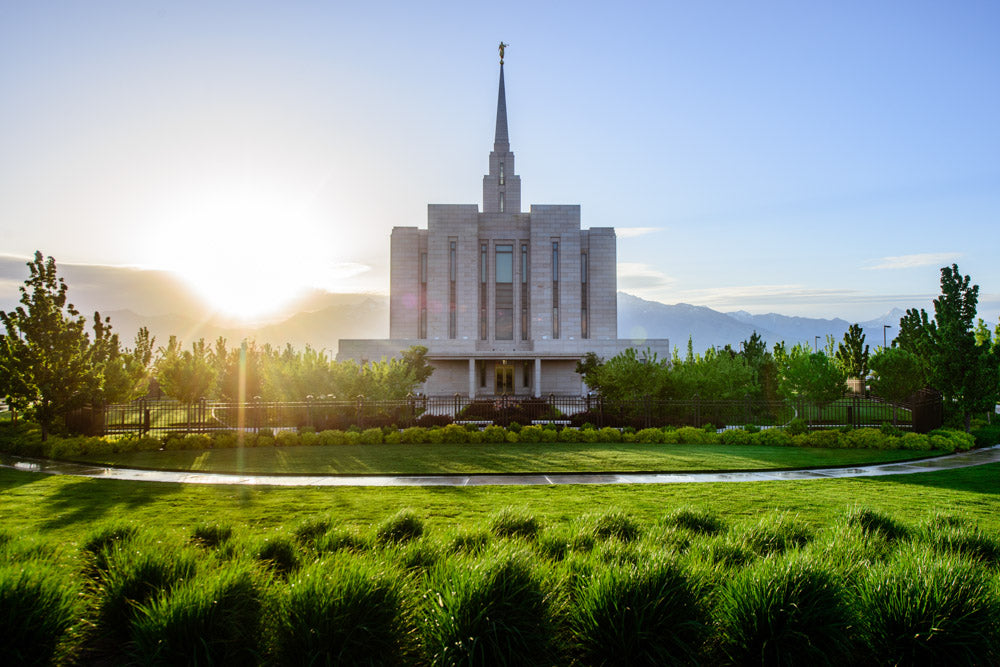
472, 378
538, 377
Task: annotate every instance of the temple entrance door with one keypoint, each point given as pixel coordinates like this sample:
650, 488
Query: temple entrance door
504, 379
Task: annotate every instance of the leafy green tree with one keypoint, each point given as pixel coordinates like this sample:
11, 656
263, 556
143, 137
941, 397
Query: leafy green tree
187, 375
963, 369
45, 355
812, 377
896, 375
241, 372
852, 354
627, 376
415, 358
118, 374
716, 375
762, 365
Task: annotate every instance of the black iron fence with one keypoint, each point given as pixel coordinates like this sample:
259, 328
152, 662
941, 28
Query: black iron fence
921, 413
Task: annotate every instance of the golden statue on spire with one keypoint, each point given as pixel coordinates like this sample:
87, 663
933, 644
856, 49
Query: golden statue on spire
502, 47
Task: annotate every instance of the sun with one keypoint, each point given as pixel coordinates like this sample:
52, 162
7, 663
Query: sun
247, 255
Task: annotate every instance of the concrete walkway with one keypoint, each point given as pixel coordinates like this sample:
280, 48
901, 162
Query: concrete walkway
949, 462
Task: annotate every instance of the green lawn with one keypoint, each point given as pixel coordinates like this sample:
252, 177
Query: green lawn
506, 458
66, 508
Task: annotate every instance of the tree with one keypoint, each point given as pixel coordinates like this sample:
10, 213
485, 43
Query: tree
896, 375
118, 375
763, 365
415, 358
852, 353
627, 376
963, 369
186, 375
812, 377
44, 358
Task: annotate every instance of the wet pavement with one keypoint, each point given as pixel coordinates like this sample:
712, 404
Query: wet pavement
949, 462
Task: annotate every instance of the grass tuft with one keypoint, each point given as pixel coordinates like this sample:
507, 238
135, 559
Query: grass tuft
211, 535
696, 520
402, 526
616, 524
772, 534
37, 608
279, 554
873, 523
510, 522
103, 540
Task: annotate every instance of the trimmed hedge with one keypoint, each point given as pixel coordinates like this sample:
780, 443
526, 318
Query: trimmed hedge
25, 440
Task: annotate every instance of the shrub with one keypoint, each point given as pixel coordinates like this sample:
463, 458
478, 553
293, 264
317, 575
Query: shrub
370, 436
915, 441
332, 437
278, 553
454, 434
414, 435
616, 524
650, 436
494, 434
212, 619
509, 522
784, 611
865, 438
488, 612
346, 613
308, 438
608, 434
37, 608
287, 439
689, 435
646, 614
211, 534
402, 526
987, 436
925, 609
532, 434
797, 426
824, 438
773, 437
695, 520
735, 436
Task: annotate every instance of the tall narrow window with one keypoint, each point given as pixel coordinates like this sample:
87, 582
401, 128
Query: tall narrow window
422, 322
504, 268
501, 202
483, 296
501, 172
584, 304
555, 289
526, 369
452, 292
524, 292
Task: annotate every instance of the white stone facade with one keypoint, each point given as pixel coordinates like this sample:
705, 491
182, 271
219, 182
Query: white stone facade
506, 302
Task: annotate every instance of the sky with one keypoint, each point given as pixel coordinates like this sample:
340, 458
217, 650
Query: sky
821, 159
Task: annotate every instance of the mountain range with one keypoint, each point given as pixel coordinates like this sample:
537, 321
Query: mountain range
158, 300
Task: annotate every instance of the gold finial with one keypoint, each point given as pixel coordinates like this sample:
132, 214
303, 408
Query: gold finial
502, 47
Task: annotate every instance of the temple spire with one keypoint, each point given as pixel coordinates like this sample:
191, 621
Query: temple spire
501, 143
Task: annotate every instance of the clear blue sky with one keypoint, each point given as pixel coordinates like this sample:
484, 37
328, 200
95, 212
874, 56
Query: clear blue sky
822, 159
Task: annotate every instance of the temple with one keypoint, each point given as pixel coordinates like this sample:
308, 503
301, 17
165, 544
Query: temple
506, 302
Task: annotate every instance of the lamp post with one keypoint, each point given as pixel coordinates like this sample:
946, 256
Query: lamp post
816, 344
884, 328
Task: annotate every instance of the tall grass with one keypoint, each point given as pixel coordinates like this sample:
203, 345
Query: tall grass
402, 526
772, 534
490, 611
616, 524
214, 618
511, 522
38, 605
645, 614
102, 541
694, 519
930, 608
784, 611
345, 612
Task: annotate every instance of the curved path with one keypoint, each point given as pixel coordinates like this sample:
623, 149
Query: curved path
949, 462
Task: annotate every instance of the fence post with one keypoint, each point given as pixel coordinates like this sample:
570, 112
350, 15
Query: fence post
359, 415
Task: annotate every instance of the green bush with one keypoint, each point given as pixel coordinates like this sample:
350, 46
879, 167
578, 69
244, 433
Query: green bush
865, 438
214, 618
735, 436
921, 608
823, 438
646, 614
287, 439
987, 436
347, 612
494, 434
650, 436
608, 434
454, 434
402, 526
370, 436
510, 522
487, 612
37, 608
689, 435
915, 441
414, 435
785, 611
797, 426
532, 434
773, 437
332, 437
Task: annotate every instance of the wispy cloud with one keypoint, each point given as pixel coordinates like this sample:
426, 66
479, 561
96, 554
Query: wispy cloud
632, 232
916, 260
638, 277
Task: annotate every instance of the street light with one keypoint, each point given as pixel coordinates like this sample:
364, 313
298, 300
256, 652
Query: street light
884, 327
816, 344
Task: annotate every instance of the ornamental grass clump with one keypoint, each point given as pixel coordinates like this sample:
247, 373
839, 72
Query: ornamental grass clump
695, 519
967, 540
644, 614
616, 524
773, 534
784, 611
874, 523
308, 531
102, 541
214, 618
278, 554
923, 608
38, 606
135, 577
402, 526
211, 535
490, 611
511, 522
342, 612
